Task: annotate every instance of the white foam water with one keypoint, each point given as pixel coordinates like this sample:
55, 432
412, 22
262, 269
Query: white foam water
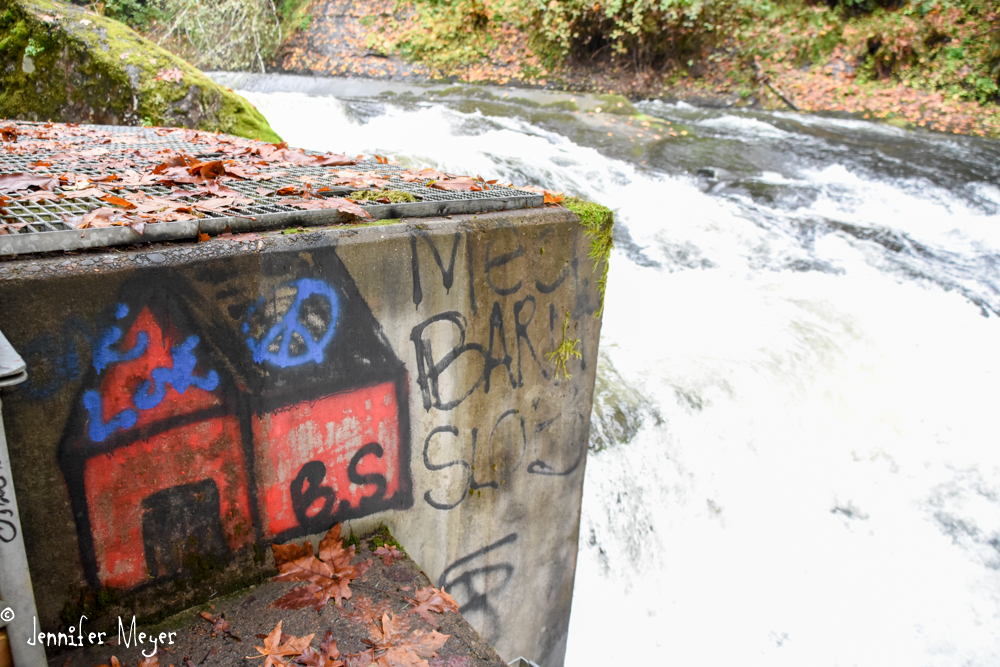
824, 487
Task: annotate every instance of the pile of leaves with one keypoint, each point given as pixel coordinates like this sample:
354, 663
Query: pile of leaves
328, 575
134, 182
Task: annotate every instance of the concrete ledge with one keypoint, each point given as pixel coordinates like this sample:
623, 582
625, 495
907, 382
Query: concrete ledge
187, 404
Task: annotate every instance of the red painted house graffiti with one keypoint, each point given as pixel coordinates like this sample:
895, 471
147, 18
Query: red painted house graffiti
309, 452
192, 442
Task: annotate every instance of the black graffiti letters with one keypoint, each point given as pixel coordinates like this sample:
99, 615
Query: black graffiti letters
373, 478
492, 263
306, 489
429, 370
447, 275
477, 577
492, 360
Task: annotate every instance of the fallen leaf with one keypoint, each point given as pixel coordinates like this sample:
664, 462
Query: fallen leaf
327, 202
365, 612
430, 599
393, 645
326, 656
172, 74
328, 578
390, 553
274, 649
117, 201
24, 181
203, 237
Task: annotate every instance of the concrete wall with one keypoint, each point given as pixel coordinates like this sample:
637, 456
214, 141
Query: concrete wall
189, 404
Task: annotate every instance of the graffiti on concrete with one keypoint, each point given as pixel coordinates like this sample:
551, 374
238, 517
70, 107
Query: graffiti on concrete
474, 580
293, 331
191, 440
524, 433
8, 529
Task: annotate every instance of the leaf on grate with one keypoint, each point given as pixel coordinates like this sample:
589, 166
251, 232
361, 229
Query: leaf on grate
117, 201
274, 649
99, 217
23, 181
328, 578
460, 184
430, 599
333, 160
81, 194
39, 195
325, 203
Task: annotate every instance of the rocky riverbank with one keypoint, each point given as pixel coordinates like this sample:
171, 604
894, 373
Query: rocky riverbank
404, 40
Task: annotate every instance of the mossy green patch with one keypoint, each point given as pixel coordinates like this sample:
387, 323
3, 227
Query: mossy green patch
59, 62
565, 351
617, 104
382, 537
564, 105
394, 196
598, 224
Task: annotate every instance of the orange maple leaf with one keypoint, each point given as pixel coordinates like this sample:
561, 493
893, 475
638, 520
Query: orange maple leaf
328, 578
430, 599
273, 650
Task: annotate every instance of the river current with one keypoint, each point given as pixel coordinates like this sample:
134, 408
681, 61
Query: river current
796, 455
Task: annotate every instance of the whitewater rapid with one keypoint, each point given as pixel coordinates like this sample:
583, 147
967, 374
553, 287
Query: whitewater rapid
813, 329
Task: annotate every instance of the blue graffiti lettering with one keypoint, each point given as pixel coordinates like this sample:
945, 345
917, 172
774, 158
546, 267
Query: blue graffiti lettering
99, 429
104, 356
289, 324
181, 376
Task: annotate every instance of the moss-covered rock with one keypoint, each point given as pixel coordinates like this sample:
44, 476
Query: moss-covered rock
618, 104
59, 62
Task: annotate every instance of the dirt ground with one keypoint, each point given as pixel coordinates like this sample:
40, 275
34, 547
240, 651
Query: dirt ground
250, 614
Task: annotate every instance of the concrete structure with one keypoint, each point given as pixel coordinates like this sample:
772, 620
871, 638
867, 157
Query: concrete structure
187, 404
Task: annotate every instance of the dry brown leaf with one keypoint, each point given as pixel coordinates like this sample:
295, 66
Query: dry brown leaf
327, 203
327, 656
172, 74
365, 612
459, 184
388, 554
328, 578
393, 645
118, 201
24, 181
430, 599
274, 649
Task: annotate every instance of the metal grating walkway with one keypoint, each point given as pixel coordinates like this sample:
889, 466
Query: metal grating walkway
47, 224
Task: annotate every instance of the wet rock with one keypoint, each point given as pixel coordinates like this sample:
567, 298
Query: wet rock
60, 62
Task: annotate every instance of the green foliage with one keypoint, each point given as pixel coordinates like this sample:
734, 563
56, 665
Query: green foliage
564, 352
225, 34
382, 537
394, 196
138, 14
295, 15
598, 224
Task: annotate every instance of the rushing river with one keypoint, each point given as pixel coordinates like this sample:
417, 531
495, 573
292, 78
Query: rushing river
802, 340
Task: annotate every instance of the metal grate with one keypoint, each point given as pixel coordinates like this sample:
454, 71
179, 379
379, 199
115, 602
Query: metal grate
46, 229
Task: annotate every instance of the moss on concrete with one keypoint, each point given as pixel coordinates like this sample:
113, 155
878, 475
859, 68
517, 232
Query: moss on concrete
565, 351
59, 62
394, 196
598, 224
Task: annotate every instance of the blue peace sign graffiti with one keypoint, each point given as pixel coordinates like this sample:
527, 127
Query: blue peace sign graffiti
290, 324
